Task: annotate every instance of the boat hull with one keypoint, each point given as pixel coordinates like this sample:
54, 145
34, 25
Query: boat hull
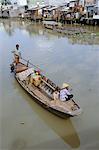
36, 99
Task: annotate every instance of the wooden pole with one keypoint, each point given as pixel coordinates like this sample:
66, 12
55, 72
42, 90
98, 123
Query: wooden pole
28, 62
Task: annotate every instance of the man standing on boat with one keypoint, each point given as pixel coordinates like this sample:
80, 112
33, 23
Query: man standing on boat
17, 54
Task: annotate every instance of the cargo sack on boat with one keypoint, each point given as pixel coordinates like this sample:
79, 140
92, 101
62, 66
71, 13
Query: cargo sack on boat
24, 74
37, 80
32, 78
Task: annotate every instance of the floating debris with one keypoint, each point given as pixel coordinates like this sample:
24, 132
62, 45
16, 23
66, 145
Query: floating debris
21, 122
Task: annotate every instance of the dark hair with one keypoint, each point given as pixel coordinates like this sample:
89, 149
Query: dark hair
17, 45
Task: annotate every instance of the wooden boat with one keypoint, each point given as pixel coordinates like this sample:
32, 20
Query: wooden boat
43, 92
50, 24
57, 27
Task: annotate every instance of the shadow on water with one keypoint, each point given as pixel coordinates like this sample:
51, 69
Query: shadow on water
62, 127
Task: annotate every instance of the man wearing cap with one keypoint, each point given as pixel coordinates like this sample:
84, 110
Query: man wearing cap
64, 93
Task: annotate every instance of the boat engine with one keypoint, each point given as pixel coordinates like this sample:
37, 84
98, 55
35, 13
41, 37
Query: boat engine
12, 67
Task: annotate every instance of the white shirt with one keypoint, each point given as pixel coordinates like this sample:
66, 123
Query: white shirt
64, 94
17, 52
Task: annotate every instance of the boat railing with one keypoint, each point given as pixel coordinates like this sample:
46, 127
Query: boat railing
30, 64
53, 88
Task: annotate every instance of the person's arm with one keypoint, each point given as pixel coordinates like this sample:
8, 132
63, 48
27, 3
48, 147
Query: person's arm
67, 92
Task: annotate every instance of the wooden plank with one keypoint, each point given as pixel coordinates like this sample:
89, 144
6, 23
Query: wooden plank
48, 84
39, 93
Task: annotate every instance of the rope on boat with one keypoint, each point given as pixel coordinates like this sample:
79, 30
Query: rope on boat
28, 62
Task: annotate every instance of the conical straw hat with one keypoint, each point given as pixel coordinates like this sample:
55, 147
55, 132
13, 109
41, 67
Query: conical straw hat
65, 85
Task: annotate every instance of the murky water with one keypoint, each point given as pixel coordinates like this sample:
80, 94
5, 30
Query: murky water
24, 125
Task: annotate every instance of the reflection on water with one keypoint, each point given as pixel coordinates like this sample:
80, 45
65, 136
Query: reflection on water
90, 37
63, 127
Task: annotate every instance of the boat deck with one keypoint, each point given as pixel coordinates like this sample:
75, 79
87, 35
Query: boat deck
20, 67
67, 105
41, 94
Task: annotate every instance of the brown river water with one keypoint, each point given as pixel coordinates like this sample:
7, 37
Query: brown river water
24, 125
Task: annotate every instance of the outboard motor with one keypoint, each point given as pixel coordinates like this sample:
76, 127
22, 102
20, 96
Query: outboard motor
12, 67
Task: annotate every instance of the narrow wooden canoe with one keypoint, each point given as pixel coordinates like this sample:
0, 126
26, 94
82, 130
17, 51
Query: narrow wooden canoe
52, 25
43, 94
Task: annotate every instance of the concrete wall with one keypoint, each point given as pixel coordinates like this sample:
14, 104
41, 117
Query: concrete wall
22, 2
34, 2
13, 13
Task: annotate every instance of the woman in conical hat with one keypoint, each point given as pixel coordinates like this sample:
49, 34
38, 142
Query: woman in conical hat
64, 93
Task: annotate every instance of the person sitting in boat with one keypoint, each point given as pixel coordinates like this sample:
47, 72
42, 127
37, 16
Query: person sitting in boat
35, 78
65, 95
44, 78
56, 94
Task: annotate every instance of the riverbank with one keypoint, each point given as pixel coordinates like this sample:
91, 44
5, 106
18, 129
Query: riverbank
84, 21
